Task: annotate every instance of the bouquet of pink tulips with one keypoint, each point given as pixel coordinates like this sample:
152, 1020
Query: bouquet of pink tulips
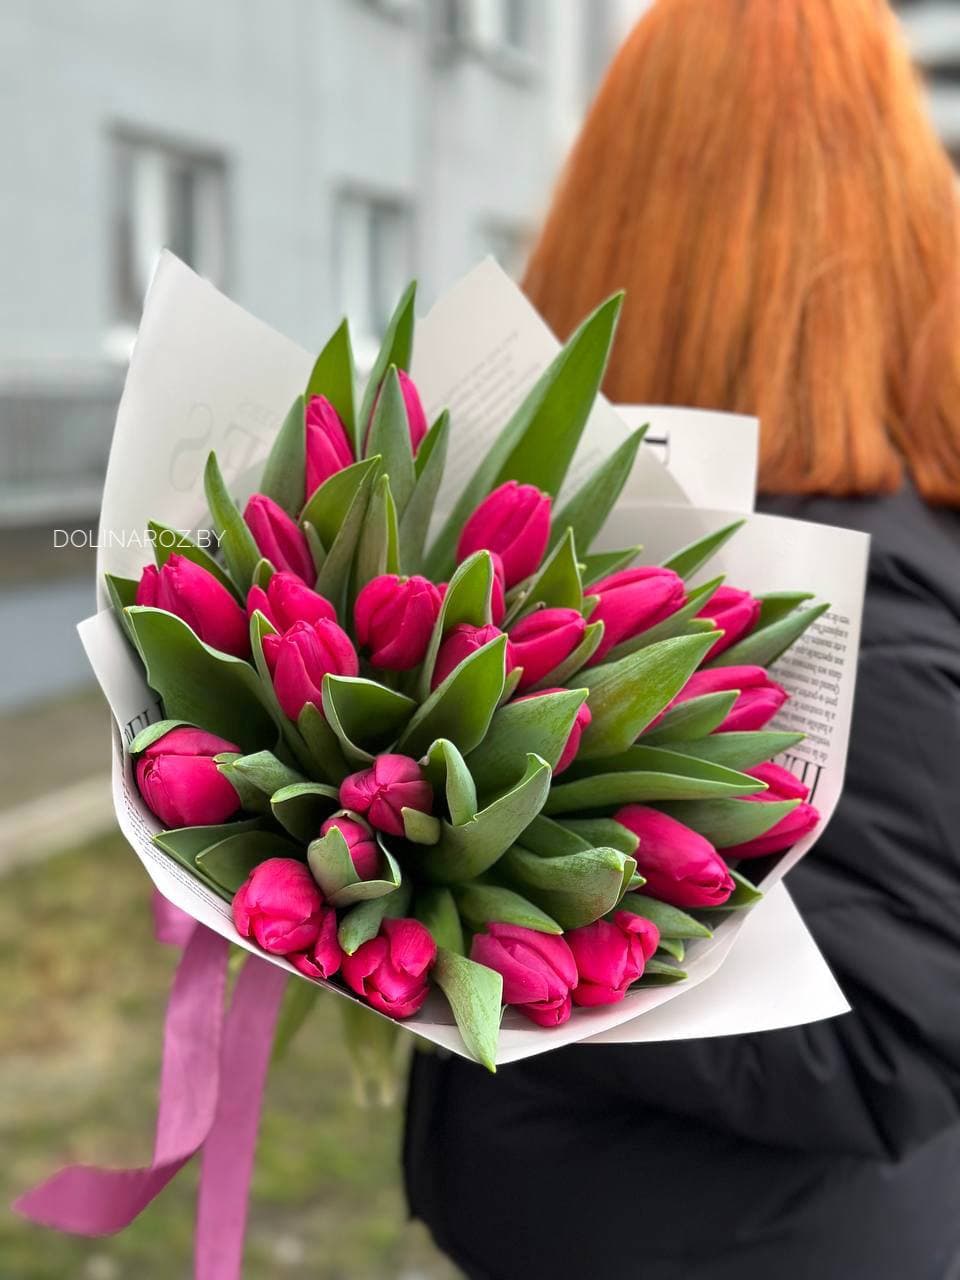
490, 761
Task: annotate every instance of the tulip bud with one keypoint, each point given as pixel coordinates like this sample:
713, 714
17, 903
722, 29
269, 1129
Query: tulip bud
300, 658
735, 612
542, 640
513, 521
393, 783
328, 450
460, 642
680, 866
610, 955
632, 601
287, 600
279, 539
390, 971
322, 958
204, 604
759, 701
572, 745
364, 853
498, 603
279, 906
416, 418
538, 970
787, 832
394, 618
782, 785
180, 782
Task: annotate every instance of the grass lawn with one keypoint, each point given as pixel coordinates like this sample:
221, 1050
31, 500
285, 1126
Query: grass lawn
81, 1008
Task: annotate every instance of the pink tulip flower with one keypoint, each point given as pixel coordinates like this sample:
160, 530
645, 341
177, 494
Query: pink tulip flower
200, 600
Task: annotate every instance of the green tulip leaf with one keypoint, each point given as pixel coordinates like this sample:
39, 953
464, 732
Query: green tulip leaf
764, 645
302, 807
481, 904
538, 443
332, 867
741, 750
323, 746
365, 716
354, 489
378, 550
644, 774
284, 472
237, 543
390, 437
775, 605
695, 718
436, 909
122, 593
550, 839
230, 862
474, 994
671, 921
555, 585
586, 511
416, 515
201, 685
539, 725
420, 828
362, 922
575, 889
466, 851
332, 502
262, 772
448, 773
396, 349
601, 564
729, 822
687, 561
602, 831
462, 707
626, 695
673, 947
467, 600
659, 973
334, 376
185, 843
148, 736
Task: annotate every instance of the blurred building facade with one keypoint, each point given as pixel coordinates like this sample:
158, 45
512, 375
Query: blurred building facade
933, 32
308, 156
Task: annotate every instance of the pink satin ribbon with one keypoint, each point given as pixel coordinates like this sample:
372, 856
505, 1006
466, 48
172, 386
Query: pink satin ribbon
211, 1087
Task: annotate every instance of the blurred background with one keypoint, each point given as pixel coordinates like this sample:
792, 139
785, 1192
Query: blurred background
309, 157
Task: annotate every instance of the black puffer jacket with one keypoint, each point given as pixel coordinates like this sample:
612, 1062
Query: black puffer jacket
830, 1151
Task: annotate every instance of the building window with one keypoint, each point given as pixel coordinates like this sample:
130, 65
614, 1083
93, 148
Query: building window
166, 196
498, 30
374, 259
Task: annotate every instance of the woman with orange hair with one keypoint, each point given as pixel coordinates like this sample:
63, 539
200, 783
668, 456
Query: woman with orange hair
762, 179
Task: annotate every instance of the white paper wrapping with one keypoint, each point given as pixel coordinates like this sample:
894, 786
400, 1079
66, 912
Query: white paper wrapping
206, 375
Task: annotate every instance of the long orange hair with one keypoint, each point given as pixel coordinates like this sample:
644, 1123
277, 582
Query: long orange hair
762, 178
